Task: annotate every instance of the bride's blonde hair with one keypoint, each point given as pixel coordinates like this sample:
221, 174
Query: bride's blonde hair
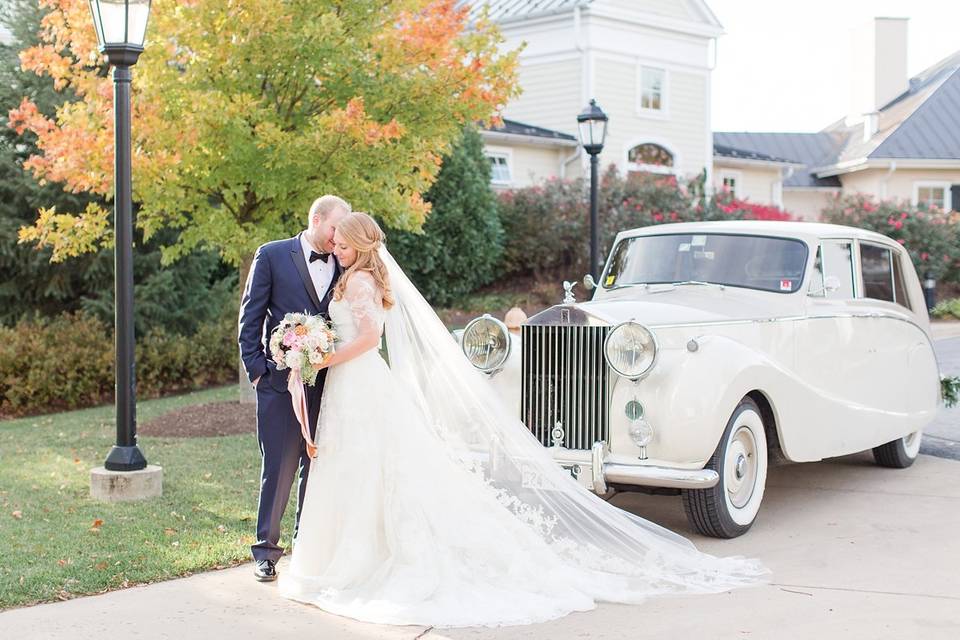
362, 233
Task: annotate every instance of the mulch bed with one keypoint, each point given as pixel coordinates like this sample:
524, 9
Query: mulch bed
203, 420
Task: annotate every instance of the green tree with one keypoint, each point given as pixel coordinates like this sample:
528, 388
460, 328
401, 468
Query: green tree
244, 111
178, 298
461, 244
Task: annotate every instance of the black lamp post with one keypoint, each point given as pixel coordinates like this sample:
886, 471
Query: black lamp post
592, 123
121, 26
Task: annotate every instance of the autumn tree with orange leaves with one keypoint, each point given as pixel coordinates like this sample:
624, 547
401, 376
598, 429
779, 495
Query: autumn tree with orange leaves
244, 111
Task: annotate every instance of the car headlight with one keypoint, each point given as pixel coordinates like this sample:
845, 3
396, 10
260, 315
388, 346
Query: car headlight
631, 350
486, 343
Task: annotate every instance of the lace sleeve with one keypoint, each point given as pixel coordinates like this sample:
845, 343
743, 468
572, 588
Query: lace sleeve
366, 302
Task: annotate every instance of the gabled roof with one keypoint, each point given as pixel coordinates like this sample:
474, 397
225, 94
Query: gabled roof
932, 130
809, 149
923, 123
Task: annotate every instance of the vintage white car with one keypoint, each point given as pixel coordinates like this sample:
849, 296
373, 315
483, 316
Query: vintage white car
710, 350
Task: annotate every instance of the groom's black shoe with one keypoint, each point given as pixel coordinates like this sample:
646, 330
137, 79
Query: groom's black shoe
266, 571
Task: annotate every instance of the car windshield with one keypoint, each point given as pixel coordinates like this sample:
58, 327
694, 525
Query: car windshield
754, 262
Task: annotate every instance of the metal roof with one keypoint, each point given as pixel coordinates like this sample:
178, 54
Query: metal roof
501, 10
932, 130
744, 154
810, 149
522, 129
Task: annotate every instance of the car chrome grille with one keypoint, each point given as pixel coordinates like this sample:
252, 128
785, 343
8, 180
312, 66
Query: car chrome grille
565, 380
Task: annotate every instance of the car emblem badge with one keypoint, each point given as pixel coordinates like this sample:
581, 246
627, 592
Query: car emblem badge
565, 316
557, 435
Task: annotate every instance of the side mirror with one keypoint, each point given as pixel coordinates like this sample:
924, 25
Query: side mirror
830, 284
589, 283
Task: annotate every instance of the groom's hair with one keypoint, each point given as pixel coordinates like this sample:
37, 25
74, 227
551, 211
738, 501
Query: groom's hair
323, 205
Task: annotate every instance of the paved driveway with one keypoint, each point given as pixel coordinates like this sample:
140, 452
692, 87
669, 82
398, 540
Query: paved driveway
857, 552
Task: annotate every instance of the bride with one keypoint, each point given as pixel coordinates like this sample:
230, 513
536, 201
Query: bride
428, 503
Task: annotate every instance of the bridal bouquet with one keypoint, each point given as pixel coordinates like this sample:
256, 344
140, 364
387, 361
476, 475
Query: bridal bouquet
301, 341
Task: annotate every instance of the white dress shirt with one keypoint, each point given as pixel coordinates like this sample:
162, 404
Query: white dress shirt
321, 272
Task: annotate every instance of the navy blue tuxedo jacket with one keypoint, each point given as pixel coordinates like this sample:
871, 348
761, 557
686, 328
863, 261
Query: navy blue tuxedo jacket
279, 283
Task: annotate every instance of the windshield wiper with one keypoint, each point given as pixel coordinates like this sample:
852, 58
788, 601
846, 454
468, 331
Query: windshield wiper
698, 282
673, 285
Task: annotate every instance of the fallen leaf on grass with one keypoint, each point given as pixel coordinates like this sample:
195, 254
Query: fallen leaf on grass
95, 527
62, 562
221, 528
17, 514
100, 566
170, 532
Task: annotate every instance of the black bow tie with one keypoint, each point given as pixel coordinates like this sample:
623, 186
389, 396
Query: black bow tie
318, 256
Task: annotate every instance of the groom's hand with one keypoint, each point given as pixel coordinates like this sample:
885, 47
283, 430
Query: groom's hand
256, 381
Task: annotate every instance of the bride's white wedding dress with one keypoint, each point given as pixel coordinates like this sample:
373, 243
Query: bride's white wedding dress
425, 507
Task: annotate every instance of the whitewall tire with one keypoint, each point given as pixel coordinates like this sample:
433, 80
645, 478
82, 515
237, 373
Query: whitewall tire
900, 453
728, 509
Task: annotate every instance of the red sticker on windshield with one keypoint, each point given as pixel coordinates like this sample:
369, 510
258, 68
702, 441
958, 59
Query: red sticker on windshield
786, 285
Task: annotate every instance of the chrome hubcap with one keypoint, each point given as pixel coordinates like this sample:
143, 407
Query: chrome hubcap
741, 466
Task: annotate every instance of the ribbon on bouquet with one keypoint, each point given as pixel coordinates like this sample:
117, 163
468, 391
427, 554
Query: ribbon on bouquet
299, 399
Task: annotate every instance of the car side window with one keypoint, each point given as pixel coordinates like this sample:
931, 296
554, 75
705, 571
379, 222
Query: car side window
834, 265
901, 296
876, 264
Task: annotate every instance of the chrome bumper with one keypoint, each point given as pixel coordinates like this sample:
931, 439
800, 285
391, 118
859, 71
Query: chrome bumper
646, 476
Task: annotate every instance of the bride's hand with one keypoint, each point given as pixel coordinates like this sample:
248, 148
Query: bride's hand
327, 361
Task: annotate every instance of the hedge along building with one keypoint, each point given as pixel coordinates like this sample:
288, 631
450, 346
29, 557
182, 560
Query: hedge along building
647, 63
901, 141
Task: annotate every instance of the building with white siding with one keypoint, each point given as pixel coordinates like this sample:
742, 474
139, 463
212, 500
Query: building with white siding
646, 62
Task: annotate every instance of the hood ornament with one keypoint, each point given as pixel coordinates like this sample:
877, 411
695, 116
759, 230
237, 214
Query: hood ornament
568, 292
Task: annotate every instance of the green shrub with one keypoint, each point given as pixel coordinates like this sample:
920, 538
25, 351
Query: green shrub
947, 310
460, 245
67, 362
929, 235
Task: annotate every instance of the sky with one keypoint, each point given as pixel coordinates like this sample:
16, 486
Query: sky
784, 65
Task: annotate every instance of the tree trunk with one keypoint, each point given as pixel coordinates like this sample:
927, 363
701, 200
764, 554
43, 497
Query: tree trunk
247, 393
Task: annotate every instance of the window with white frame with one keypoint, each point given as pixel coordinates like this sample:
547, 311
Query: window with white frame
730, 182
652, 88
932, 195
499, 167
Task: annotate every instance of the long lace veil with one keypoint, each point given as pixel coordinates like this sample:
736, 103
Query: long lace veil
624, 556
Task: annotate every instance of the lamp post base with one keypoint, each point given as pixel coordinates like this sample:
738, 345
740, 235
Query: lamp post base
125, 459
126, 486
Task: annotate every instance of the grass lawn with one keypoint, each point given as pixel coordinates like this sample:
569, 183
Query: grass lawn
59, 543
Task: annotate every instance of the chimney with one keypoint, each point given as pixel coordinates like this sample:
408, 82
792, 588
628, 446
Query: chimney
879, 64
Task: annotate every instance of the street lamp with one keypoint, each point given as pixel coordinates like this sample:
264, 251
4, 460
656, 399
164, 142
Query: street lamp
121, 26
592, 123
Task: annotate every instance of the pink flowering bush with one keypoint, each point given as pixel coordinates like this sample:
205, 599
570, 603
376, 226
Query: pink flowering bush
547, 227
930, 235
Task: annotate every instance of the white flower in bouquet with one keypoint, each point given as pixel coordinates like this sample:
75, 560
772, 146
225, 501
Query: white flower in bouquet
294, 359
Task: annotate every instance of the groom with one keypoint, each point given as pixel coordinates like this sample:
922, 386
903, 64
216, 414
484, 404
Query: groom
293, 275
